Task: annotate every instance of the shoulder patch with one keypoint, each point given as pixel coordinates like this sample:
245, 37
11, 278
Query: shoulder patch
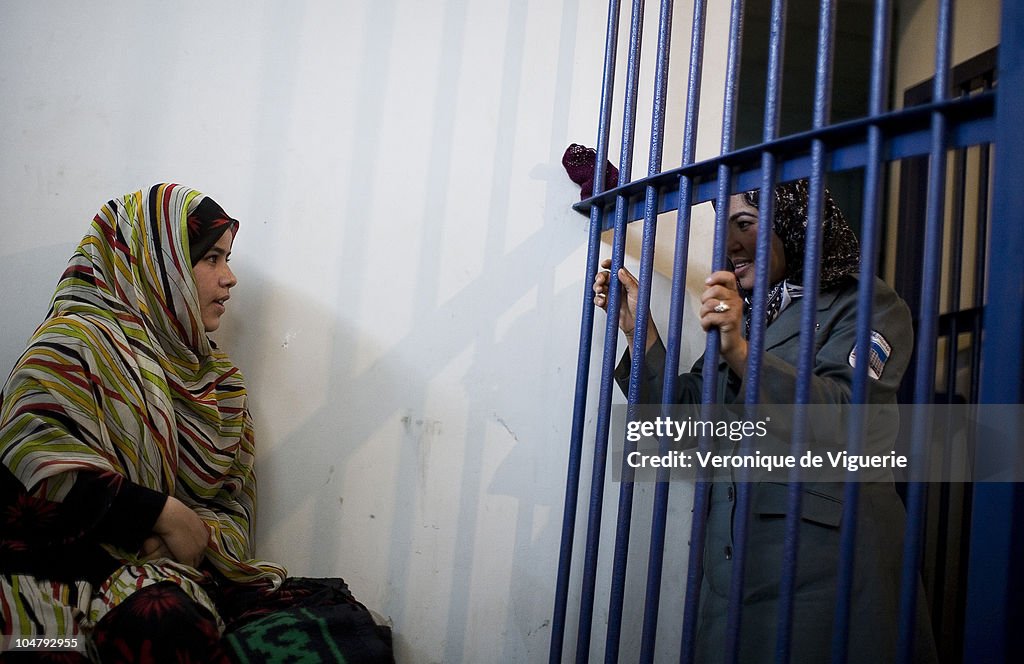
879, 355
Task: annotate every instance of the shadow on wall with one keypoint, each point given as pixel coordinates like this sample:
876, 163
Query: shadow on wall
437, 548
440, 489
432, 522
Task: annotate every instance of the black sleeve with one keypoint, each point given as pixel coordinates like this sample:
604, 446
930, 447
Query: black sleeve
115, 510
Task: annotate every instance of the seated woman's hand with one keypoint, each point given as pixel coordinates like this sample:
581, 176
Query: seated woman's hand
722, 308
184, 535
627, 303
153, 548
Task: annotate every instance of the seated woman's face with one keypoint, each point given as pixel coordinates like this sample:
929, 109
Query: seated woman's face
214, 280
741, 244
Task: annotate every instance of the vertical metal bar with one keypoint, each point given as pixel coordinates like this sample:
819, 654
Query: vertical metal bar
981, 231
980, 251
870, 247
698, 531
586, 342
762, 263
938, 589
973, 397
964, 551
808, 318
959, 208
766, 211
994, 578
952, 360
610, 341
926, 339
659, 516
619, 563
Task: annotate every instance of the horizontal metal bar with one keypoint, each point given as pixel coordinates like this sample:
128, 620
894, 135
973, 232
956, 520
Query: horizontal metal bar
906, 134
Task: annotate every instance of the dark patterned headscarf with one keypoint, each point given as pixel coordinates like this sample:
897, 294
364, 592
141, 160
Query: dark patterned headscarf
840, 255
205, 226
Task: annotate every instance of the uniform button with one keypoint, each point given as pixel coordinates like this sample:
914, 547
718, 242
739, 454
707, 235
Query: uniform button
731, 493
728, 552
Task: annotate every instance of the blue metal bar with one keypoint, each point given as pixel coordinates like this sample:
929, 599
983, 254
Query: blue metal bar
611, 339
992, 628
924, 376
659, 516
710, 377
758, 322
619, 563
586, 342
954, 259
959, 205
906, 134
870, 243
981, 237
978, 296
698, 530
808, 319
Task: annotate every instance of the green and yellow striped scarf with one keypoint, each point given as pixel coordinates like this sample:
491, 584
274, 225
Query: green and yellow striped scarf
122, 378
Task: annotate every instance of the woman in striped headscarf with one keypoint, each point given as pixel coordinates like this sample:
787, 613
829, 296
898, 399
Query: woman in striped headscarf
127, 486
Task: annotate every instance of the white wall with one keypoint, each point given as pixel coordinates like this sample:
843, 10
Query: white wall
410, 271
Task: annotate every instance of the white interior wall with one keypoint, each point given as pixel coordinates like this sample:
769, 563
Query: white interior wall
409, 269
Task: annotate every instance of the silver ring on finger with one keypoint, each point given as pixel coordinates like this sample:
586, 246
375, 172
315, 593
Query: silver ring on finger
721, 308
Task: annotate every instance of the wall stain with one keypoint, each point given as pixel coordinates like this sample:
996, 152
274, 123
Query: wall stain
503, 423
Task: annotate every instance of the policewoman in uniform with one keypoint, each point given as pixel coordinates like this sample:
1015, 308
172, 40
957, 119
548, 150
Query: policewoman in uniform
725, 305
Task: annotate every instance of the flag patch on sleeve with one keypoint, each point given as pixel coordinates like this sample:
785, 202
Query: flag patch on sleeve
880, 352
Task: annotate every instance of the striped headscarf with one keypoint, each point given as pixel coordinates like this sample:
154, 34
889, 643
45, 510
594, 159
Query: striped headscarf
121, 380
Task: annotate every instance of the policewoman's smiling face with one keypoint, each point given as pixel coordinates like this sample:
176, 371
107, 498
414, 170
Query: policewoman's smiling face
741, 244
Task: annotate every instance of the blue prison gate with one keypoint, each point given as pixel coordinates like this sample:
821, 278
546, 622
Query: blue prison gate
931, 130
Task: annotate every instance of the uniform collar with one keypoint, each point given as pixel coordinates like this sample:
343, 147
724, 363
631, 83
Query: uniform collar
787, 325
